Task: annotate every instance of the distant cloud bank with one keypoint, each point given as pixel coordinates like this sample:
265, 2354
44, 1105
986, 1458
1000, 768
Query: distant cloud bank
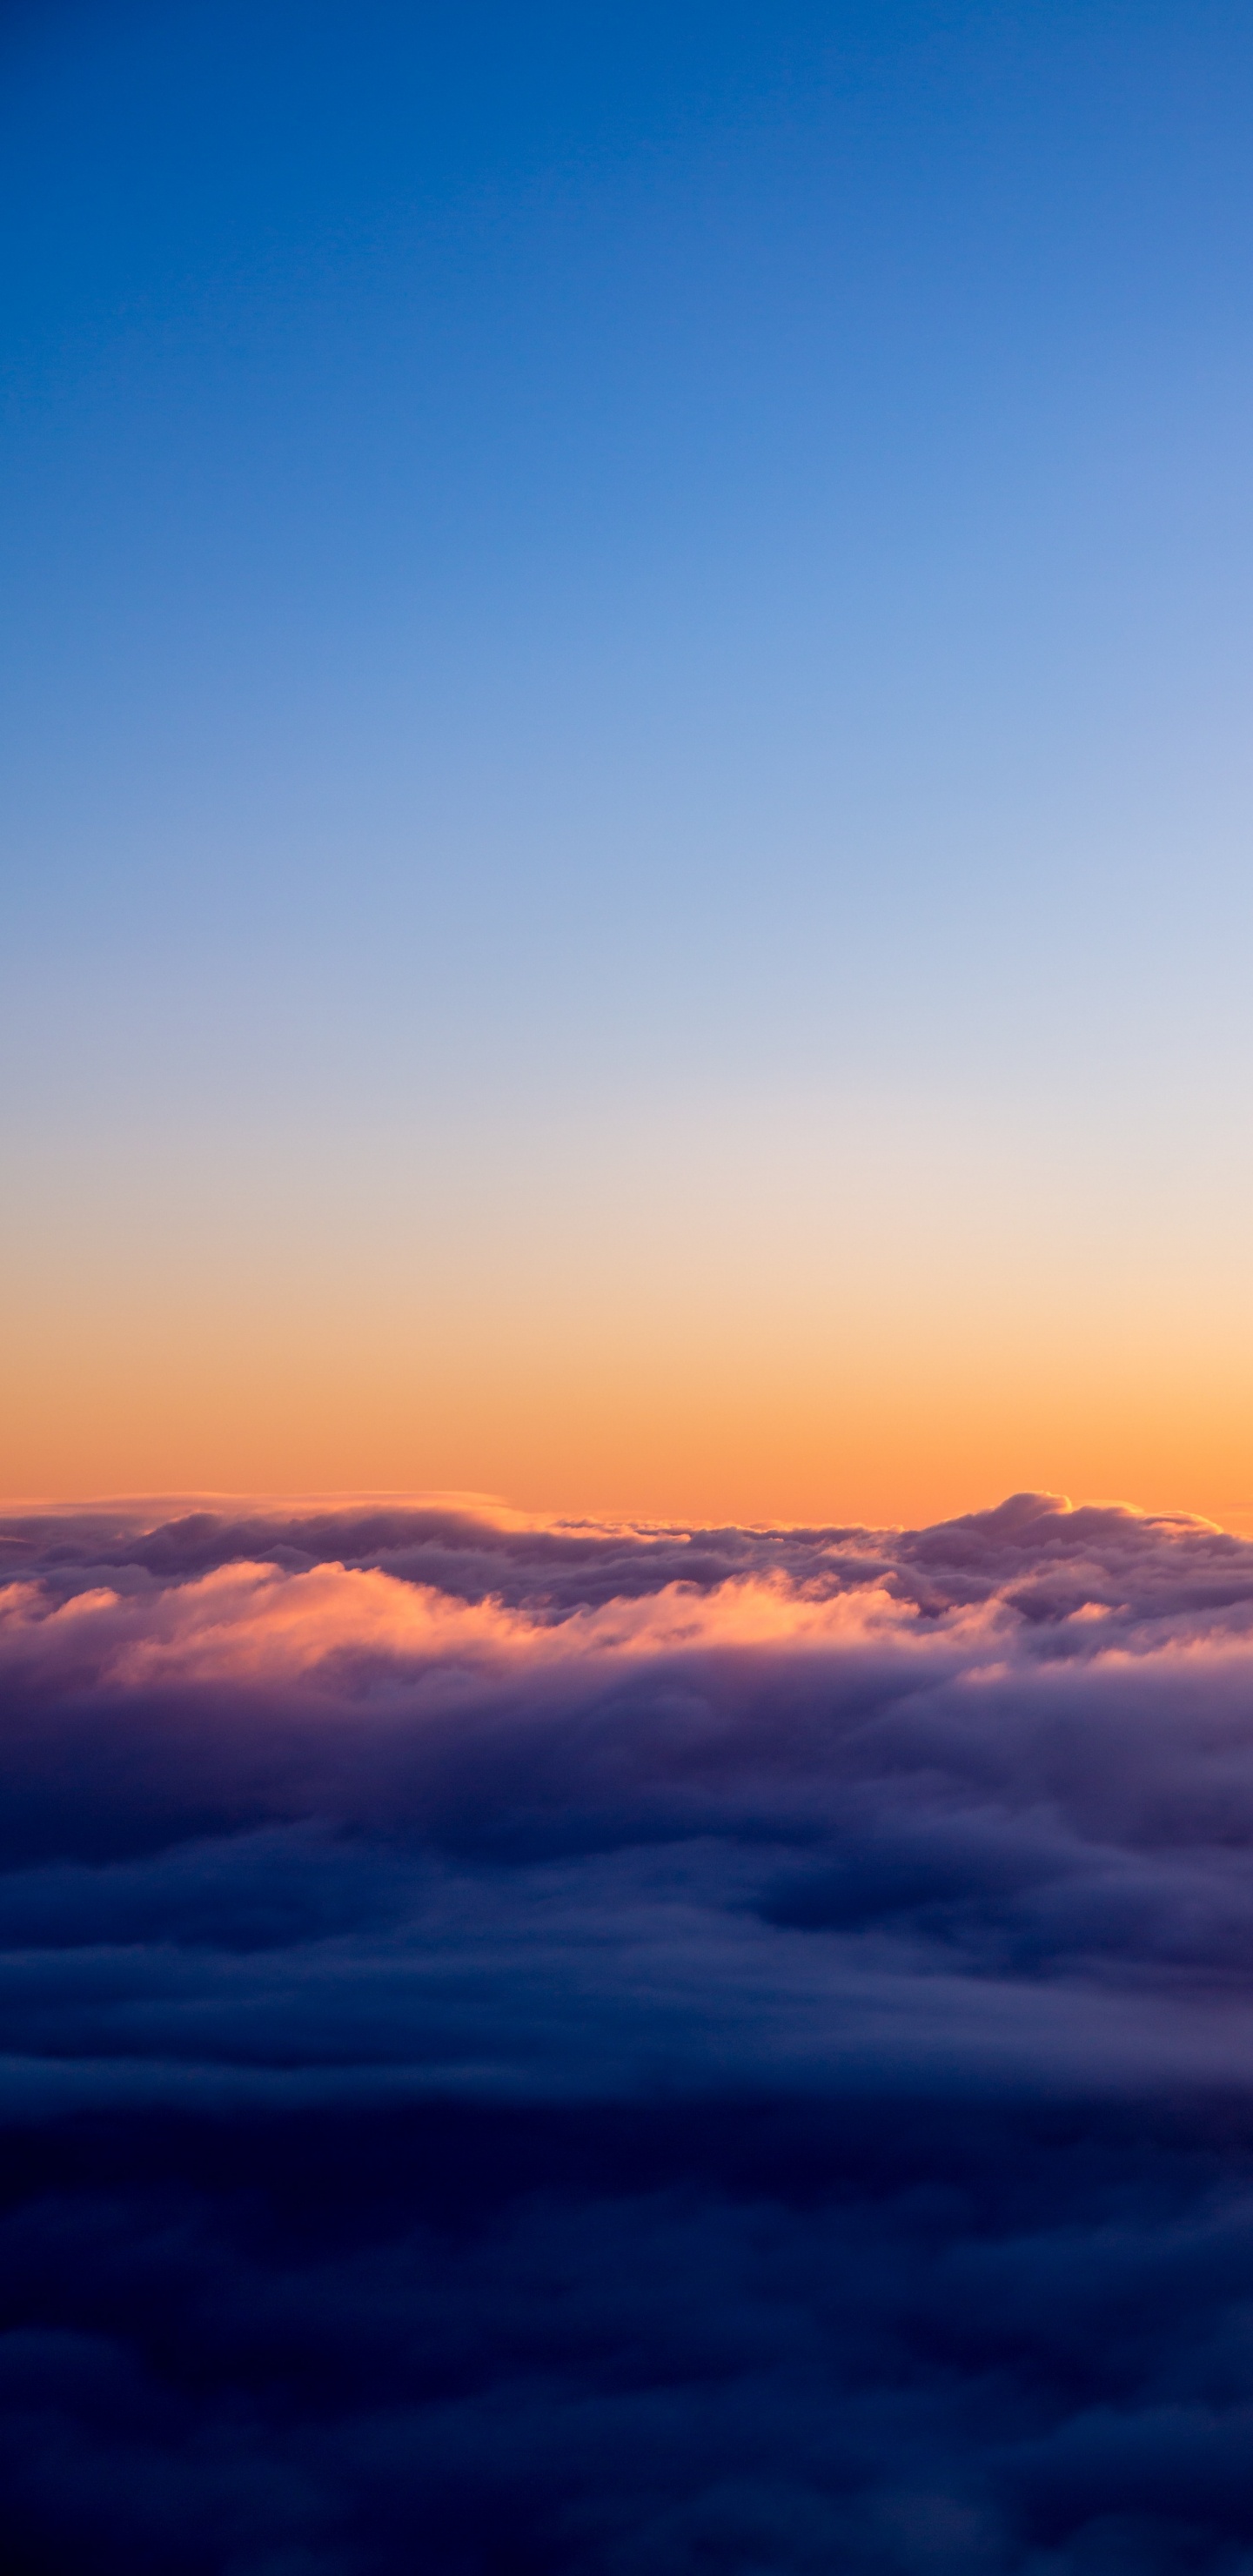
602, 2049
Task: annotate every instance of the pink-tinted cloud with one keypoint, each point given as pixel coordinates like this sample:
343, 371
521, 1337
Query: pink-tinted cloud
837, 1807
627, 2048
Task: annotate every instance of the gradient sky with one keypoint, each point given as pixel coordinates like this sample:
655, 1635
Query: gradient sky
627, 764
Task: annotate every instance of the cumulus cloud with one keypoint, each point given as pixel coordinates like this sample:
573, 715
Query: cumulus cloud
633, 2047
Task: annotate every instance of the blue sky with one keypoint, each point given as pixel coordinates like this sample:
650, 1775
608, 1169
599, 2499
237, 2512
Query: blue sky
646, 560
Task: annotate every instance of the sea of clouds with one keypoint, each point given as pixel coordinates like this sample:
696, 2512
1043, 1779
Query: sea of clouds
582, 2049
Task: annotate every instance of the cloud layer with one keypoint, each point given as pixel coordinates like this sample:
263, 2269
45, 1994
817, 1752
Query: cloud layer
593, 2049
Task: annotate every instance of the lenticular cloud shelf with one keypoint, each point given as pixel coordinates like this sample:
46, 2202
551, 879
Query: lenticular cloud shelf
602, 2048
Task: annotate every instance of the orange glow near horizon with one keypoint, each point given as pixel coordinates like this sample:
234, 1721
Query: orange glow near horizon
889, 1322
625, 1433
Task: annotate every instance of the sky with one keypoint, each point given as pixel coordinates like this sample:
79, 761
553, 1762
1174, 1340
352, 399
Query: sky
626, 1519
627, 767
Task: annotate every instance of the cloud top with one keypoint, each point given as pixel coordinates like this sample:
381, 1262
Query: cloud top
975, 1799
629, 2047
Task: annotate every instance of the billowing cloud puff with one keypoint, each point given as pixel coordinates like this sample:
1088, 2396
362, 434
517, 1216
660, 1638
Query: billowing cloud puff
601, 2048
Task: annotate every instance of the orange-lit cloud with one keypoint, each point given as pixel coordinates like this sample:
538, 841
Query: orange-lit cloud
477, 1924
976, 1796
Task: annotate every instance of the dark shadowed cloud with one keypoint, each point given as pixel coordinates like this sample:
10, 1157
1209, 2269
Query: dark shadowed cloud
602, 2048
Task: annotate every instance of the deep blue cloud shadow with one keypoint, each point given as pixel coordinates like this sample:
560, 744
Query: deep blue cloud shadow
703, 2105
